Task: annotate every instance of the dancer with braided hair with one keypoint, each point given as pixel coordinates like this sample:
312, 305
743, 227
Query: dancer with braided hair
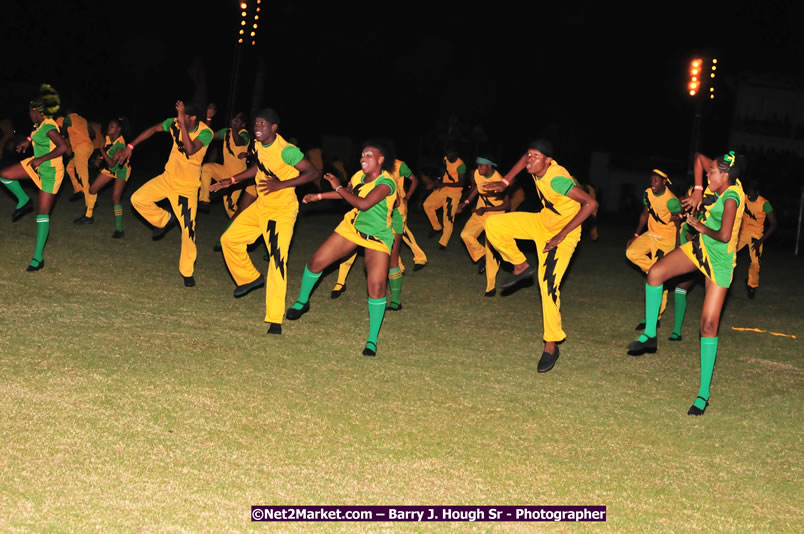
45, 168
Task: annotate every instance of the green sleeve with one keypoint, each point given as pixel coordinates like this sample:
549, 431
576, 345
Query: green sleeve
221, 133
167, 123
462, 169
674, 206
46, 128
645, 198
767, 208
205, 136
68, 122
292, 155
562, 185
732, 194
387, 181
245, 136
404, 170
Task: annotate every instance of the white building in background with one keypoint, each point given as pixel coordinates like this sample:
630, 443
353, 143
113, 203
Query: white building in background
768, 115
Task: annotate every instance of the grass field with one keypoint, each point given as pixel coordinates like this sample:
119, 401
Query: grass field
131, 403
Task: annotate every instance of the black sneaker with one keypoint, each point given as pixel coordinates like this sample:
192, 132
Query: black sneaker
638, 348
22, 210
292, 314
490, 293
752, 291
393, 307
336, 293
158, 233
189, 281
83, 219
481, 266
547, 361
203, 207
75, 196
118, 234
514, 278
275, 328
419, 266
239, 291
369, 351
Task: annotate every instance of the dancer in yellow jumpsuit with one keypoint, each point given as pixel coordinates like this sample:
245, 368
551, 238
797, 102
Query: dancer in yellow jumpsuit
279, 168
660, 213
556, 230
179, 182
446, 195
488, 205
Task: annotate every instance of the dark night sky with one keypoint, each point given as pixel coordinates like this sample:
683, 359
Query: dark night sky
590, 78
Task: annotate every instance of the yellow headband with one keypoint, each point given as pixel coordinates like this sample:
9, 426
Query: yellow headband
657, 172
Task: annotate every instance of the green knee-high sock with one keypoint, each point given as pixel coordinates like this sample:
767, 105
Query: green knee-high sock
395, 282
376, 309
708, 356
118, 217
653, 300
308, 282
42, 230
680, 307
17, 190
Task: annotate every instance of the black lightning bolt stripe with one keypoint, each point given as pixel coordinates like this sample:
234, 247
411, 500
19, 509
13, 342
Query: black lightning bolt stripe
268, 172
659, 254
273, 249
229, 141
496, 255
748, 212
230, 203
699, 255
448, 209
550, 263
486, 201
650, 209
755, 244
176, 131
546, 203
187, 215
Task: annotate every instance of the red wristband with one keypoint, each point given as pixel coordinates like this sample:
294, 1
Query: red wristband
698, 187
320, 196
233, 180
636, 235
130, 146
506, 182
29, 138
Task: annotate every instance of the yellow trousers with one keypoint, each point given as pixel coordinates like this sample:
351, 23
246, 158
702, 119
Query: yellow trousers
80, 165
503, 230
276, 227
419, 257
183, 202
475, 226
755, 253
447, 198
217, 172
646, 250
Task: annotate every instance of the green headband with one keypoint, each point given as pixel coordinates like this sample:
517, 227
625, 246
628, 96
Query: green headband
484, 161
